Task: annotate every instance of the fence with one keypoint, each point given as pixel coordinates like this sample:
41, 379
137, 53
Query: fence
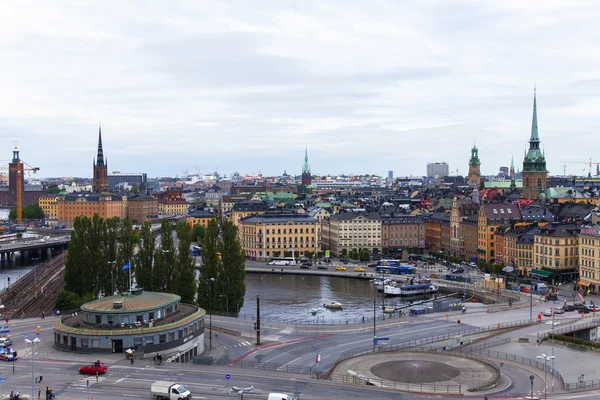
419, 342
522, 360
582, 385
571, 327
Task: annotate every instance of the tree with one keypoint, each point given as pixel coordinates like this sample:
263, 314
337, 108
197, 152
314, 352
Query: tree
364, 255
210, 267
385, 251
32, 211
375, 250
231, 285
309, 254
164, 259
344, 252
198, 233
184, 274
77, 274
52, 189
144, 259
109, 241
97, 262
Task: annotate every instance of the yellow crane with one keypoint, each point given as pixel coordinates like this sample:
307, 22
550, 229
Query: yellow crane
589, 163
17, 167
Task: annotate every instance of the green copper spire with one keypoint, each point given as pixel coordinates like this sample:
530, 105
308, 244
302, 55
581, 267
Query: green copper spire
512, 162
534, 124
474, 156
306, 167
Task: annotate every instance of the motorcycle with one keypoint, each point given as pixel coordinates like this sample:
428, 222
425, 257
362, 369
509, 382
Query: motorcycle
464, 310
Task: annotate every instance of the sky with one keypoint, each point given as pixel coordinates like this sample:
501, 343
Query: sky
367, 87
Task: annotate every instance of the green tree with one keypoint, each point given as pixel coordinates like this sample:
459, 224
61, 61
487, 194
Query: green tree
77, 274
385, 251
110, 245
32, 211
97, 261
127, 244
210, 267
164, 259
144, 259
364, 255
309, 254
231, 287
198, 233
52, 189
67, 300
184, 274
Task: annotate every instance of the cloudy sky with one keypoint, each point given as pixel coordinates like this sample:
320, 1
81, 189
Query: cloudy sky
245, 85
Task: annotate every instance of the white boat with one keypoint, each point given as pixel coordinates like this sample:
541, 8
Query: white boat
409, 290
333, 305
380, 283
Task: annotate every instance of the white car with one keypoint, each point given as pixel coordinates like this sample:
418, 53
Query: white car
547, 313
5, 342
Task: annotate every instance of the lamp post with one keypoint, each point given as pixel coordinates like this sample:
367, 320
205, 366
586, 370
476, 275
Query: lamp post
553, 323
546, 359
33, 343
318, 356
112, 280
212, 281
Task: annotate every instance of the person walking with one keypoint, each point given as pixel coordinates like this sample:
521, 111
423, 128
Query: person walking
131, 358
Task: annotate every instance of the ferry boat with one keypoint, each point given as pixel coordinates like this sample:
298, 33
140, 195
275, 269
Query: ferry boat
409, 290
333, 305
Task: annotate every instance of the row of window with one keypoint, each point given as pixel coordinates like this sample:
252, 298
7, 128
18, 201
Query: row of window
556, 241
548, 250
588, 252
591, 242
588, 263
405, 235
588, 274
568, 262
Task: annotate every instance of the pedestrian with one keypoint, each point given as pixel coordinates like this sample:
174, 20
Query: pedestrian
131, 358
346, 319
363, 319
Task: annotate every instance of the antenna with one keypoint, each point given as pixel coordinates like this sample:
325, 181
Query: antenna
565, 169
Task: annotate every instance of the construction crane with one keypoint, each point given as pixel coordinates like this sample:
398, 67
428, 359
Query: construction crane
18, 168
589, 163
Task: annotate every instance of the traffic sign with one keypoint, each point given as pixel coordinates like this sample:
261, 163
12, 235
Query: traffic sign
318, 358
2, 380
26, 336
227, 376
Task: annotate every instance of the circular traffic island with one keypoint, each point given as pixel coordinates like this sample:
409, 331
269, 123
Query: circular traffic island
427, 372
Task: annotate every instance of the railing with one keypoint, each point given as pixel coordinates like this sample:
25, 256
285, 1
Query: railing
571, 327
522, 360
582, 385
420, 342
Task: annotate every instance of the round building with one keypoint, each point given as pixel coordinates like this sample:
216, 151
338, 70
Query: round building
147, 322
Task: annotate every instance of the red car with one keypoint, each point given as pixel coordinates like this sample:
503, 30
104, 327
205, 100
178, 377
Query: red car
91, 369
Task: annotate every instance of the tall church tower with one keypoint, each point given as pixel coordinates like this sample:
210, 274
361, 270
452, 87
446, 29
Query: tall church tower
474, 168
306, 170
15, 176
100, 179
512, 166
535, 174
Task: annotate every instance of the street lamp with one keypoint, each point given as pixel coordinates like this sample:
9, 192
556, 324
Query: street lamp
212, 281
318, 356
32, 342
546, 359
553, 323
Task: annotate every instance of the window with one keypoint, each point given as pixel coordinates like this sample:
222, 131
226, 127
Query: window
149, 340
137, 341
98, 319
140, 318
180, 332
162, 338
96, 343
171, 336
150, 316
85, 342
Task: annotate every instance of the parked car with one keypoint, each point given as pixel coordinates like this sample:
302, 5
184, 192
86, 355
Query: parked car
305, 266
91, 369
340, 268
5, 342
559, 310
359, 269
458, 271
320, 266
372, 265
570, 308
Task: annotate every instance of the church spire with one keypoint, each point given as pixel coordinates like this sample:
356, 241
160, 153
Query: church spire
100, 157
306, 168
534, 124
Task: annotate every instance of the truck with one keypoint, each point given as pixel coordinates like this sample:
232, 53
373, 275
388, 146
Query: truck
169, 390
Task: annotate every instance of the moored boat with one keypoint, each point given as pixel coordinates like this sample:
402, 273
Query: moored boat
333, 305
409, 290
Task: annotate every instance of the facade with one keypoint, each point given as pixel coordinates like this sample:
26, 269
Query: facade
48, 205
433, 230
172, 206
100, 166
490, 217
403, 231
318, 213
534, 171
346, 231
306, 178
85, 204
461, 209
116, 179
589, 257
437, 170
474, 168
199, 217
142, 208
247, 208
148, 322
270, 235
468, 229
556, 253
499, 241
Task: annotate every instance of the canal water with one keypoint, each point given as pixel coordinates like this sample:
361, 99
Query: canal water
292, 297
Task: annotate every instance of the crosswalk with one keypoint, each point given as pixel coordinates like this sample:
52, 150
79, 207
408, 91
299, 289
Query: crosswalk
536, 396
240, 343
83, 382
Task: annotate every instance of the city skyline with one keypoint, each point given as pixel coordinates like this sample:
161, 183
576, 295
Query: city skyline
366, 89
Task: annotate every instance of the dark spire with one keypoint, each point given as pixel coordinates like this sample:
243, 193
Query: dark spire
534, 124
100, 157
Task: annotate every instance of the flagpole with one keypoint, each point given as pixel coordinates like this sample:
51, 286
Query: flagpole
130, 286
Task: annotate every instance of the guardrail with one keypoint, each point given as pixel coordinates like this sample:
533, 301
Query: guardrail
522, 360
572, 327
582, 385
419, 342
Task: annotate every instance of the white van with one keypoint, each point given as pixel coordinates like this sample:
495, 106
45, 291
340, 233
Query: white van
279, 396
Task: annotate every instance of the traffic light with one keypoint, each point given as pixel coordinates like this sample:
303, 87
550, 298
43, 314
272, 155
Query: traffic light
41, 377
255, 326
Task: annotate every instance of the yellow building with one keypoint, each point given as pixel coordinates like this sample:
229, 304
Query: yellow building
270, 235
199, 217
556, 252
87, 204
172, 206
519, 247
589, 257
490, 217
48, 206
247, 208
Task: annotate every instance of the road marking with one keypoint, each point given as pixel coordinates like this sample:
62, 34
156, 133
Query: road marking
119, 380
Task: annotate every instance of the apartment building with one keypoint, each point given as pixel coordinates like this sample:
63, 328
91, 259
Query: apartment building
403, 231
71, 206
589, 257
271, 234
352, 230
48, 205
247, 208
461, 209
142, 208
556, 252
490, 217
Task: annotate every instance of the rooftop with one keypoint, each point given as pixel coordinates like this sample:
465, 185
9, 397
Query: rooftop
131, 302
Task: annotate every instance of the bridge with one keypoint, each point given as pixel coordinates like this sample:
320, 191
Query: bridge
42, 249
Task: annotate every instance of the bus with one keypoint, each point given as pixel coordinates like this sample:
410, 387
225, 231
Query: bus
395, 270
457, 278
388, 263
282, 261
